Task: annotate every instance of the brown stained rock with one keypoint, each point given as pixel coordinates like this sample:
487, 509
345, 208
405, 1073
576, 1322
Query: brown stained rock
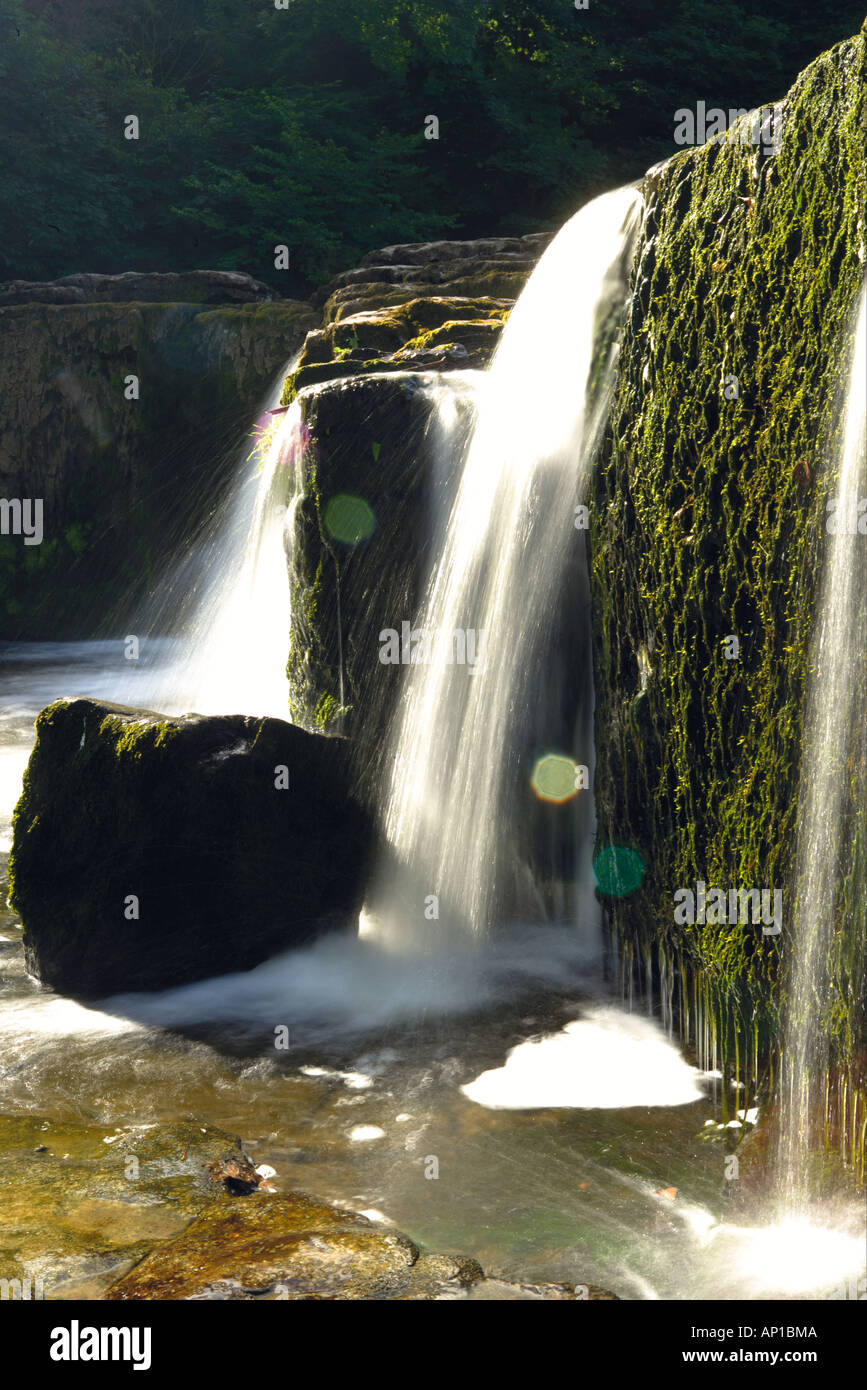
296, 1248
236, 1172
293, 1247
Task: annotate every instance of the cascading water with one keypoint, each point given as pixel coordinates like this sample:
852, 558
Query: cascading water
231, 624
832, 793
489, 621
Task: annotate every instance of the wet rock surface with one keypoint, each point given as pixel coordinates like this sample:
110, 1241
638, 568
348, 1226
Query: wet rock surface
295, 1247
146, 849
90, 1212
433, 306
82, 1203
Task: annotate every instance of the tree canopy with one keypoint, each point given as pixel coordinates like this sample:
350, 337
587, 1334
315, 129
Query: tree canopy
305, 125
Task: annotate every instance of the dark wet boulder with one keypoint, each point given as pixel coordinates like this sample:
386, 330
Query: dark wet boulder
148, 852
378, 469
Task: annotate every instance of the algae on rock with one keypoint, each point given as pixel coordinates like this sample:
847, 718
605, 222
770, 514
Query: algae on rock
708, 524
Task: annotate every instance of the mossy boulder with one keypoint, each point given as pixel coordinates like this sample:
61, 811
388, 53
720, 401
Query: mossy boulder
149, 851
708, 523
361, 550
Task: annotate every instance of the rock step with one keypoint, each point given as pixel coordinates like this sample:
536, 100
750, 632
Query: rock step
436, 332
420, 253
142, 287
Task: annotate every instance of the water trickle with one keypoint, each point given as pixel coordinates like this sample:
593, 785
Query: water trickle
464, 735
226, 606
832, 790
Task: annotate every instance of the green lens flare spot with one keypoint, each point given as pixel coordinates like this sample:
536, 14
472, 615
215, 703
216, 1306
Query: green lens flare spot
556, 778
349, 519
618, 871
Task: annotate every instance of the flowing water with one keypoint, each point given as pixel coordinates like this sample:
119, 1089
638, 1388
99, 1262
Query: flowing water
833, 792
225, 605
575, 1141
489, 620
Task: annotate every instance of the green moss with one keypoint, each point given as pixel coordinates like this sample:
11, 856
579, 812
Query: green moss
416, 324
134, 739
326, 714
704, 525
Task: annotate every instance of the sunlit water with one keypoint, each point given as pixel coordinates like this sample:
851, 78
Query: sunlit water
458, 750
556, 1157
214, 636
833, 768
573, 1140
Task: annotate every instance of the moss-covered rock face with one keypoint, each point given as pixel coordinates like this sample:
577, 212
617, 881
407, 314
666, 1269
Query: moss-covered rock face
708, 526
428, 333
147, 852
361, 550
121, 479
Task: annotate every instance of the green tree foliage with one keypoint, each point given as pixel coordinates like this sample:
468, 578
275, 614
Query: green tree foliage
304, 126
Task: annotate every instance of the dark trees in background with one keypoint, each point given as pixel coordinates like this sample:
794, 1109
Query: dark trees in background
305, 126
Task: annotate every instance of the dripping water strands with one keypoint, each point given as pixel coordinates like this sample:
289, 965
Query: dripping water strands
832, 808
464, 740
225, 606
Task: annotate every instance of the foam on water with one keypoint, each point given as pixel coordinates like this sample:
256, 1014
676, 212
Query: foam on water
606, 1060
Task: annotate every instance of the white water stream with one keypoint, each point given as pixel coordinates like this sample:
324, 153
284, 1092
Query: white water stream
492, 597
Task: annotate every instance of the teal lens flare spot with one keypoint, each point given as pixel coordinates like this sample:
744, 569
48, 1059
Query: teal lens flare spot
618, 871
555, 778
349, 519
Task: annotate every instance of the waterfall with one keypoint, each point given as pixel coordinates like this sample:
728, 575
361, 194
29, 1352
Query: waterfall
227, 603
487, 686
832, 787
